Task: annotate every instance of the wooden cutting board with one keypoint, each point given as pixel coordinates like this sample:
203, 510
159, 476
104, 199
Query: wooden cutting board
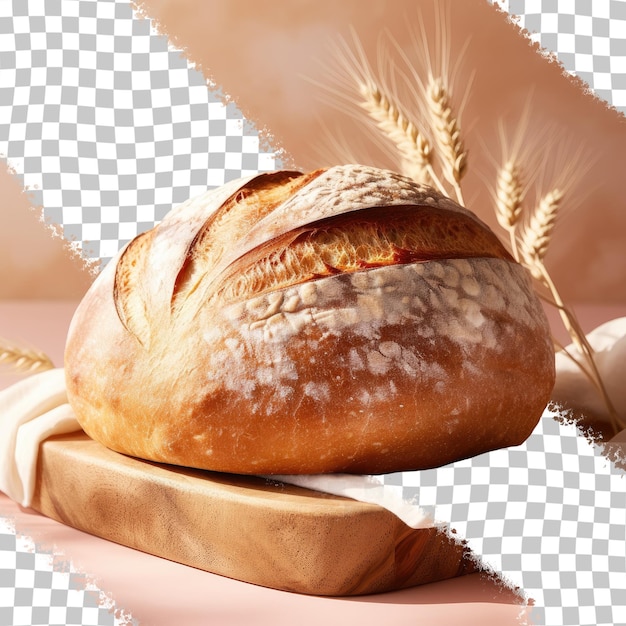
243, 527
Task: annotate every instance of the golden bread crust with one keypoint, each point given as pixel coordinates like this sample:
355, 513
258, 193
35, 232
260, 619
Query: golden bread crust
348, 320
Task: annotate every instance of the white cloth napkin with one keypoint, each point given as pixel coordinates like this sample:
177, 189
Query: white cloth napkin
30, 411
368, 489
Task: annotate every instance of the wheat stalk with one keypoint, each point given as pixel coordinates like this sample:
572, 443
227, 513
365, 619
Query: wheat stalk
447, 133
588, 365
415, 150
23, 360
531, 249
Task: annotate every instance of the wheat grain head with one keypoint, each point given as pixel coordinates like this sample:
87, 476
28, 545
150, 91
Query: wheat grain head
446, 130
22, 360
536, 236
509, 195
414, 149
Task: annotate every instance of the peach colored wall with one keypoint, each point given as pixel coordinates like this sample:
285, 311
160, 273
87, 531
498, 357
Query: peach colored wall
33, 264
265, 54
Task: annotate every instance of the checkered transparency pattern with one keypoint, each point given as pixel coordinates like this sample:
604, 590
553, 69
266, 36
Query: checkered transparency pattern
550, 515
36, 588
107, 125
588, 37
110, 127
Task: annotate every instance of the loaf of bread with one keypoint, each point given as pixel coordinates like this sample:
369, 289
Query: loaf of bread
345, 320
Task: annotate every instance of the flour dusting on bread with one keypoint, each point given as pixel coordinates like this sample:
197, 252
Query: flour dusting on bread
345, 320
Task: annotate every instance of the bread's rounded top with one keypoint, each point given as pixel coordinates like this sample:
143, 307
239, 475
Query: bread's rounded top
280, 229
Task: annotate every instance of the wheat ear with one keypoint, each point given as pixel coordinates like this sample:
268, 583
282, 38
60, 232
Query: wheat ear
509, 197
23, 360
536, 236
447, 133
533, 246
415, 150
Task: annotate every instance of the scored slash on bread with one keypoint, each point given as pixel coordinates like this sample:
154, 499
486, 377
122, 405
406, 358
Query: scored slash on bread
345, 320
